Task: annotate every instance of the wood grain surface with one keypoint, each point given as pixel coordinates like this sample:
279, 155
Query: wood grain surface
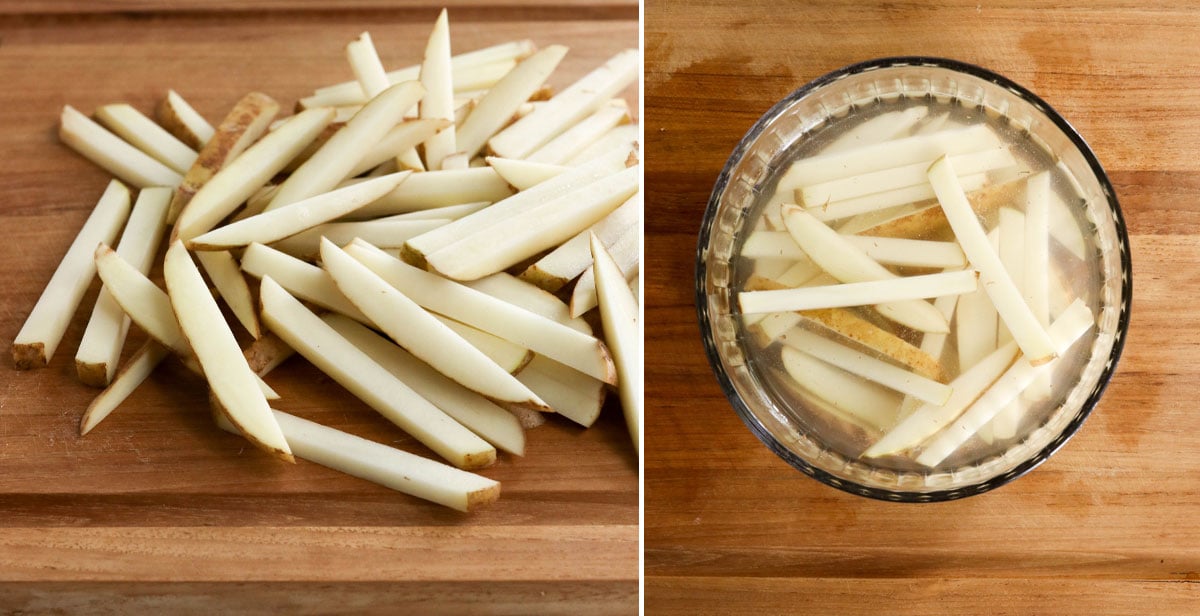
157, 511
1108, 525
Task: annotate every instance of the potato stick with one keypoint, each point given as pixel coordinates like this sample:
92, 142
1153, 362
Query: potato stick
226, 276
870, 368
1035, 281
47, 322
100, 348
906, 151
434, 189
141, 132
402, 138
410, 160
931, 221
383, 233
933, 125
514, 50
570, 393
625, 135
846, 324
456, 162
478, 414
524, 295
364, 62
500, 103
568, 107
228, 374
976, 324
108, 151
333, 162
1064, 228
181, 120
522, 174
370, 382
546, 192
131, 375
1020, 320
447, 212
438, 102
928, 419
461, 303
909, 253
626, 251
849, 397
1065, 331
563, 264
266, 353
244, 124
775, 324
585, 132
862, 222
772, 245
883, 127
854, 206
482, 77
623, 333
1011, 226
896, 178
420, 333
296, 217
846, 262
771, 268
932, 345
859, 293
304, 280
525, 235
510, 357
250, 171
802, 273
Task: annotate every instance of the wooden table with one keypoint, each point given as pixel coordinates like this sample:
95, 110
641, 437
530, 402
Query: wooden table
1108, 525
157, 511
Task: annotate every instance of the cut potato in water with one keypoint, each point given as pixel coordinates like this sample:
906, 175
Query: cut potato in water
859, 293
862, 403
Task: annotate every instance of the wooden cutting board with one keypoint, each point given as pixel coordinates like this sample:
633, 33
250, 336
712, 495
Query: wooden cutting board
157, 510
1108, 525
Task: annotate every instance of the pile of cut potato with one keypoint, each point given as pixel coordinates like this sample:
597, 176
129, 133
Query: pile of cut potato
431, 238
859, 237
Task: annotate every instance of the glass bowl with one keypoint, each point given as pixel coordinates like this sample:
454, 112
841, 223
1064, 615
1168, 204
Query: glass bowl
799, 125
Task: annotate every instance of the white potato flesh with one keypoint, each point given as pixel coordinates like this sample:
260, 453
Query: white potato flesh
623, 136
520, 293
136, 370
875, 202
107, 150
364, 62
144, 134
860, 293
569, 392
402, 138
623, 332
461, 303
47, 322
304, 280
384, 233
573, 257
883, 127
586, 132
472, 81
200, 129
500, 103
910, 253
772, 245
228, 374
436, 189
370, 382
523, 174
438, 102
478, 414
448, 212
226, 275
627, 253
100, 348
508, 356
860, 402
900, 177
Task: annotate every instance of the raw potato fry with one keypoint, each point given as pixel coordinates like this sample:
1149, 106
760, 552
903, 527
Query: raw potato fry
772, 245
387, 466
573, 140
1069, 327
333, 162
296, 217
859, 294
525, 235
568, 107
420, 333
181, 120
932, 220
868, 367
228, 374
419, 247
108, 151
626, 251
266, 353
482, 311
47, 322
244, 124
910, 253
530, 297
226, 276
147, 136
448, 212
368, 70
1035, 343
383, 233
472, 80
246, 174
877, 339
1011, 227
874, 202
1064, 228
402, 138
846, 262
510, 357
436, 189
354, 370
523, 174
100, 348
883, 127
438, 102
569, 392
304, 280
623, 136
865, 404
772, 268
479, 415
619, 314
1035, 282
553, 271
862, 222
933, 345
502, 100
143, 362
